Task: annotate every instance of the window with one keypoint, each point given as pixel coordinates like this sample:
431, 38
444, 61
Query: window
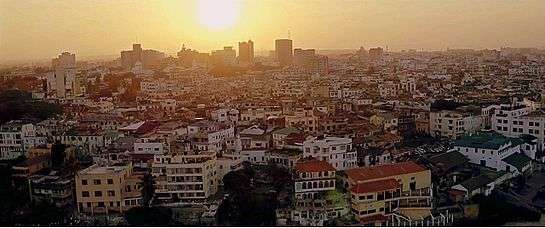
83, 182
98, 193
110, 181
85, 194
111, 193
370, 196
101, 204
96, 182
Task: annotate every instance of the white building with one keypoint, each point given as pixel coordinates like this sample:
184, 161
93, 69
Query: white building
314, 189
517, 120
63, 82
497, 151
150, 146
208, 135
337, 151
185, 175
224, 115
16, 138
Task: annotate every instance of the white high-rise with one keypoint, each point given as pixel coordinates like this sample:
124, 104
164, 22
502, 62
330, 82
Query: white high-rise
62, 81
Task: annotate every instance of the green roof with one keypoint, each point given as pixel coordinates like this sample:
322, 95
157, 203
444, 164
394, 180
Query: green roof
485, 140
518, 160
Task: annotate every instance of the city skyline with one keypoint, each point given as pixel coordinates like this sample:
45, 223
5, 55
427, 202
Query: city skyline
40, 29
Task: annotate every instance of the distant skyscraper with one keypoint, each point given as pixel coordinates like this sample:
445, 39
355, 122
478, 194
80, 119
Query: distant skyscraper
65, 59
246, 52
303, 57
375, 53
146, 57
284, 51
226, 57
308, 60
62, 81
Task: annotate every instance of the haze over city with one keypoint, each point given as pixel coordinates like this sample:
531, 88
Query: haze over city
261, 113
40, 29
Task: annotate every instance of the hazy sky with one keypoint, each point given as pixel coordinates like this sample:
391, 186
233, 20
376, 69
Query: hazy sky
31, 29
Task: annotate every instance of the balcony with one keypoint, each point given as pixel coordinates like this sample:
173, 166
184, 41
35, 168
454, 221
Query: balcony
418, 192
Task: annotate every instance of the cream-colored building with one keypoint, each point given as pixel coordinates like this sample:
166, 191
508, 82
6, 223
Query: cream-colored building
101, 189
379, 192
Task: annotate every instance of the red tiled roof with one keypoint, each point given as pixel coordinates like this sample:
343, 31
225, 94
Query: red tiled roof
375, 186
313, 166
375, 172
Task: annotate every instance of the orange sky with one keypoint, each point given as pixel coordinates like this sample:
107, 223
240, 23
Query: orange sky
32, 29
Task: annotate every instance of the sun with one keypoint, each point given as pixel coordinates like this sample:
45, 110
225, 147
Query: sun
217, 14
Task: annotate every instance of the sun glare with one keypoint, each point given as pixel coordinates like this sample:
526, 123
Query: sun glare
217, 14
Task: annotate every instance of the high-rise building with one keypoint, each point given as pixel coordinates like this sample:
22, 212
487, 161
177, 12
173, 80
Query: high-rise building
303, 57
375, 53
284, 52
62, 81
147, 58
307, 60
225, 57
65, 59
246, 53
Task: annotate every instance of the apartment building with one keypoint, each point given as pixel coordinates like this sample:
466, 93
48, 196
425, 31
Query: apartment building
185, 175
316, 199
302, 118
101, 189
16, 138
150, 146
378, 192
454, 123
52, 188
89, 139
336, 151
208, 135
516, 120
